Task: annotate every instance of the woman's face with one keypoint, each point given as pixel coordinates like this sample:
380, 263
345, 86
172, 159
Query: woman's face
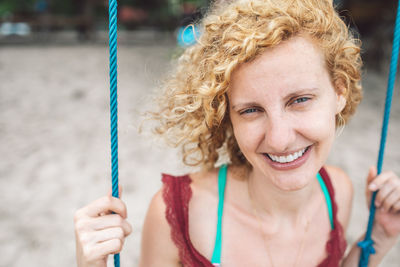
282, 107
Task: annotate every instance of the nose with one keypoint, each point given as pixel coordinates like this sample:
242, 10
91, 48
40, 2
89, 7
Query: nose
280, 134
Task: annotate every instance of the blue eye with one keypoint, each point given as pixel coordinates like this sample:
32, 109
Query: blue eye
249, 110
301, 100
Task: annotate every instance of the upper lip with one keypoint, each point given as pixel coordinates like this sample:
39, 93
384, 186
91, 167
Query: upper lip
286, 153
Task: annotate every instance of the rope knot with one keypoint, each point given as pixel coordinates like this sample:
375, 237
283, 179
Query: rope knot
367, 246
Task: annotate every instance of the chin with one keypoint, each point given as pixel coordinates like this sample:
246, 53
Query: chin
291, 183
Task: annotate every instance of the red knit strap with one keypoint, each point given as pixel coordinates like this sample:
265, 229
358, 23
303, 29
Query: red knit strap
177, 194
336, 246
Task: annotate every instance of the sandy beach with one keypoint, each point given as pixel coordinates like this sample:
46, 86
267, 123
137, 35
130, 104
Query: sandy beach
55, 155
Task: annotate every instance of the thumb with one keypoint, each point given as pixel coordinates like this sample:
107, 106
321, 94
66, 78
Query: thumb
110, 194
119, 191
372, 172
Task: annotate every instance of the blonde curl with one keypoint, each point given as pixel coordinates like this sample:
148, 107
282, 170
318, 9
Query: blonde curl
193, 110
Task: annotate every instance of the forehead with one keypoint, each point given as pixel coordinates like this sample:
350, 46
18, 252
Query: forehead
297, 62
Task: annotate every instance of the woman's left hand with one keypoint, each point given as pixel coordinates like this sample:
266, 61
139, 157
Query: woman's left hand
387, 200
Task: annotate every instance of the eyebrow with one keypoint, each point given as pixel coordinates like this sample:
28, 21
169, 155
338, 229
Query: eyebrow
246, 104
300, 92
288, 97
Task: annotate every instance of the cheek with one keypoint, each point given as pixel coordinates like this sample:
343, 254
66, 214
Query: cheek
319, 126
319, 123
248, 134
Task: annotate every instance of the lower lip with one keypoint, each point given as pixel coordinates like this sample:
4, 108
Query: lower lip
290, 165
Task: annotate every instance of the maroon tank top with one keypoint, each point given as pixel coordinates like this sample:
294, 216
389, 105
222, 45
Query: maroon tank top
177, 194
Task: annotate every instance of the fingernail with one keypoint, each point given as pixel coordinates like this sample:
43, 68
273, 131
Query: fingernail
373, 187
377, 204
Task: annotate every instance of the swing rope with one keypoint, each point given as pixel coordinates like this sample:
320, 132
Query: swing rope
367, 244
112, 10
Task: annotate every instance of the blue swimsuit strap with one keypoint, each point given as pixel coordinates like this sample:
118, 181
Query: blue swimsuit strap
327, 199
216, 257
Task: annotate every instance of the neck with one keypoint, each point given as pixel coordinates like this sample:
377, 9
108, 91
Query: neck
279, 204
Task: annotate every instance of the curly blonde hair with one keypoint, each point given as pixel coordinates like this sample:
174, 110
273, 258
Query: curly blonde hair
193, 110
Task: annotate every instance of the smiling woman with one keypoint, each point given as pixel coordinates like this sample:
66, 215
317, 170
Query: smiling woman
263, 92
238, 33
282, 109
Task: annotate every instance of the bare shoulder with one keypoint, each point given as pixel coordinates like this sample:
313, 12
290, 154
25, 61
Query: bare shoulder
204, 180
340, 179
157, 247
343, 193
203, 210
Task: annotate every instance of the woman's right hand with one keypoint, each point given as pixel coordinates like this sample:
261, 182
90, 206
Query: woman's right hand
99, 232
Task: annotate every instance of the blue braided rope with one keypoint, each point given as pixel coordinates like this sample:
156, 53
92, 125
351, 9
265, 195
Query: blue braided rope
112, 10
367, 244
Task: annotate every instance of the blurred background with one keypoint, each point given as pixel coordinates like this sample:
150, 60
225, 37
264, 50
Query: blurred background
87, 20
54, 121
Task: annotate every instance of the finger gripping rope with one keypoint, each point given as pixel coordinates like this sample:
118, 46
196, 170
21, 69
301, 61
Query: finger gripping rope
367, 244
112, 10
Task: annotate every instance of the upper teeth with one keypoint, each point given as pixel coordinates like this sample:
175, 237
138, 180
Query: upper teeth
288, 158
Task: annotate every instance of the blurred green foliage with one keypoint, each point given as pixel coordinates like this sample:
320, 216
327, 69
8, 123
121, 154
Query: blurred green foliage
67, 7
162, 13
29, 7
12, 6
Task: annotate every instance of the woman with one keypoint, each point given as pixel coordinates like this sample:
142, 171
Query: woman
265, 90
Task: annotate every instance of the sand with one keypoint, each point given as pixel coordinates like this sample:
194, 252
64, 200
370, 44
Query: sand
54, 132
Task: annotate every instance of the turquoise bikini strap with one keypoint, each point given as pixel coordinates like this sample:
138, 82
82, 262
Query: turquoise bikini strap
216, 257
327, 198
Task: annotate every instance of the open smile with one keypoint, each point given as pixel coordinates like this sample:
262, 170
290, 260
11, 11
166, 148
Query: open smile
290, 161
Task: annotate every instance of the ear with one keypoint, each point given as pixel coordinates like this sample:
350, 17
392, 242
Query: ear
340, 97
340, 102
